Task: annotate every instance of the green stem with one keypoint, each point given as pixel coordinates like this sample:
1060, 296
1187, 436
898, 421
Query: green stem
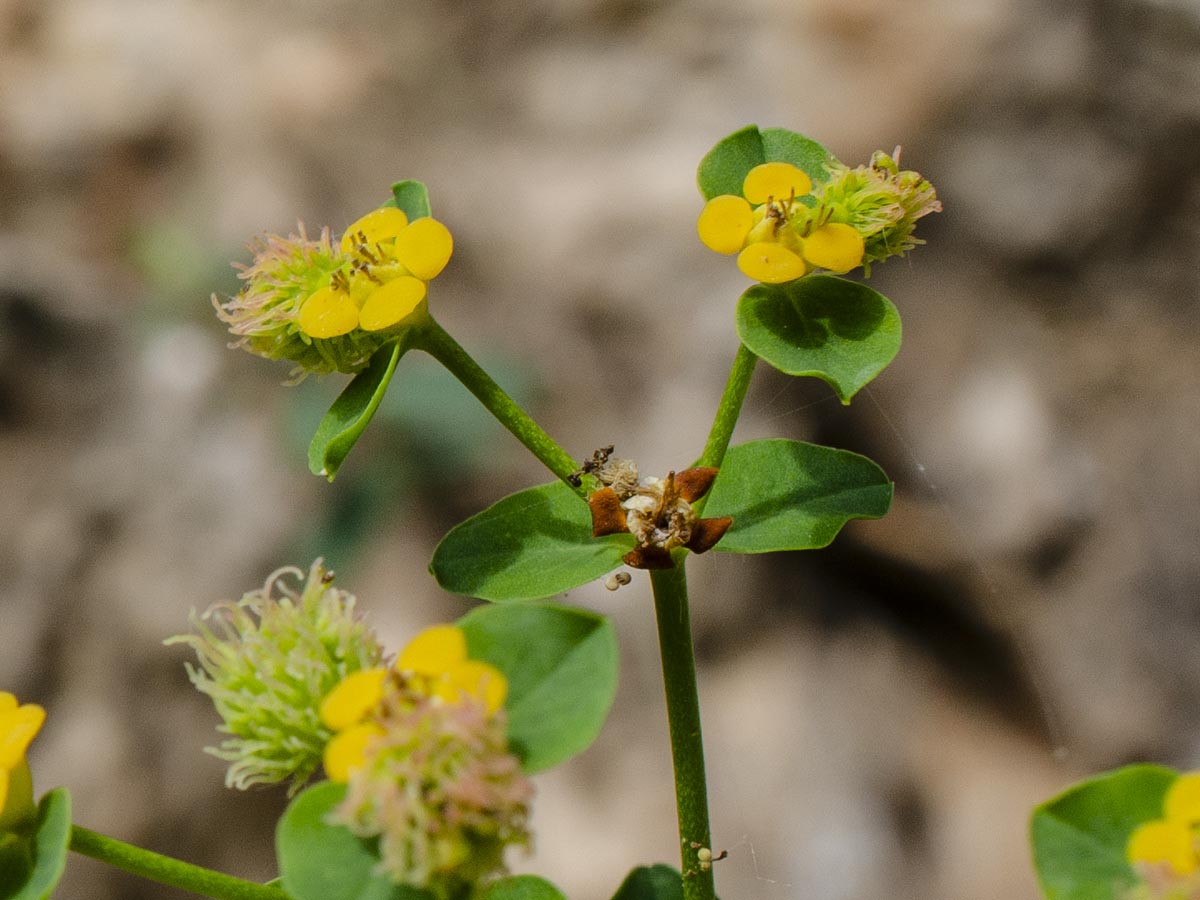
166, 870
729, 408
683, 717
438, 343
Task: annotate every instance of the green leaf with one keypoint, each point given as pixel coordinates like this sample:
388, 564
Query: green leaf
788, 495
412, 197
658, 882
51, 838
346, 420
561, 666
724, 169
523, 887
532, 544
837, 330
1079, 837
319, 861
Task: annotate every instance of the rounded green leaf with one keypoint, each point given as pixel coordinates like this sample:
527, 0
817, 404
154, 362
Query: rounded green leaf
319, 861
788, 495
826, 327
561, 666
522, 887
530, 545
351, 412
658, 882
1079, 837
412, 198
724, 168
45, 858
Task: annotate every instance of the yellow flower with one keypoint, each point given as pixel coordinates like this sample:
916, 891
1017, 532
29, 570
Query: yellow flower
327, 305
19, 724
434, 665
777, 236
1163, 841
1182, 803
1171, 840
422, 748
388, 260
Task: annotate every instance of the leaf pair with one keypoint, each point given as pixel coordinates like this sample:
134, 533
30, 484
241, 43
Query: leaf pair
782, 495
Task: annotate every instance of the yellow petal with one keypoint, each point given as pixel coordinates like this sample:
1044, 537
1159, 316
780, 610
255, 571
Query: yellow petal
8, 702
770, 263
836, 247
778, 180
1182, 803
434, 651
347, 750
328, 313
475, 679
424, 248
376, 227
355, 696
724, 223
1163, 841
18, 727
3, 789
387, 305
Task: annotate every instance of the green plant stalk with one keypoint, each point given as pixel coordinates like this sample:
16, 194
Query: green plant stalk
166, 870
728, 411
438, 343
729, 408
683, 717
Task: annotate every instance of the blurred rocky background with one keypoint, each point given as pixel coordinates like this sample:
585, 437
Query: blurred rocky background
881, 716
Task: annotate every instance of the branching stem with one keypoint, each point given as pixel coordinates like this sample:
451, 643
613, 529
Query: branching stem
729, 408
438, 343
166, 870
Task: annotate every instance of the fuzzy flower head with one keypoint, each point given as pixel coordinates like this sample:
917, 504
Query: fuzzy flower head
19, 725
267, 661
782, 227
1166, 852
881, 202
422, 748
328, 307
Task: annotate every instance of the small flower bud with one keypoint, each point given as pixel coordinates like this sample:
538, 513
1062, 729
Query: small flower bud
267, 662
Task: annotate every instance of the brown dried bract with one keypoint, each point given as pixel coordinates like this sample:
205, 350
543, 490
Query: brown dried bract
659, 515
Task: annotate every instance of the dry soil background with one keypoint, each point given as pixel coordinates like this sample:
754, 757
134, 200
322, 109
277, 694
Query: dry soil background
881, 716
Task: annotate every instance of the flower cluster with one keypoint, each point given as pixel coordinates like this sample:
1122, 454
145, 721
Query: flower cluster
19, 725
656, 511
266, 662
781, 227
1165, 851
328, 308
422, 748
